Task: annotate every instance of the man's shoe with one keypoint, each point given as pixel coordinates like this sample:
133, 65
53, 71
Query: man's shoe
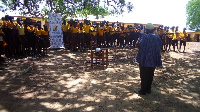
149, 92
139, 92
2, 59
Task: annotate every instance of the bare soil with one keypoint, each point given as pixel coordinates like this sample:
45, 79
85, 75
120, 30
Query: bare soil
63, 82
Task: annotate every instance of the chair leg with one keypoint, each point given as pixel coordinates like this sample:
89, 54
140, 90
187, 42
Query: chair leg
91, 58
45, 51
103, 63
106, 58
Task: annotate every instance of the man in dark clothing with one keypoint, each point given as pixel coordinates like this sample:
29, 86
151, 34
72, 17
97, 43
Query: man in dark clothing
148, 57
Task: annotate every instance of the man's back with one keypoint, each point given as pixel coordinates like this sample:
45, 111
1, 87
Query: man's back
149, 50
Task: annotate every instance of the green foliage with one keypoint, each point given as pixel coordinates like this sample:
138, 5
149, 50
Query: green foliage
1, 8
27, 7
193, 11
69, 8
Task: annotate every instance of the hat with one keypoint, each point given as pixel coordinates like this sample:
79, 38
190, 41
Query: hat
149, 26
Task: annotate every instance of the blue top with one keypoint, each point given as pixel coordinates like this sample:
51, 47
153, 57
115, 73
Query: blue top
149, 50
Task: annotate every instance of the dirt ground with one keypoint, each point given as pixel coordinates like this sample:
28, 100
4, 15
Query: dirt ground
62, 81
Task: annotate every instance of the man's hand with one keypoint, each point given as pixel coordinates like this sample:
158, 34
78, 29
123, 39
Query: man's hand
137, 44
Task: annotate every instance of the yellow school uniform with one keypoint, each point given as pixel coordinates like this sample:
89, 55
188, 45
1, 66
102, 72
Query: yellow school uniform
183, 36
117, 30
112, 30
38, 32
30, 28
45, 32
20, 28
123, 34
108, 28
10, 25
87, 28
74, 29
100, 32
64, 28
93, 31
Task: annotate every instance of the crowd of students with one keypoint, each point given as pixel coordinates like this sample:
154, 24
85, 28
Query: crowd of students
77, 35
26, 37
23, 37
171, 37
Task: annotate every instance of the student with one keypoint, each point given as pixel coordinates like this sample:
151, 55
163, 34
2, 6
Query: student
183, 36
167, 35
122, 36
31, 39
107, 34
39, 40
175, 37
22, 37
45, 37
94, 32
81, 43
64, 29
162, 36
101, 39
112, 35
87, 33
117, 34
171, 34
127, 38
12, 38
74, 37
2, 43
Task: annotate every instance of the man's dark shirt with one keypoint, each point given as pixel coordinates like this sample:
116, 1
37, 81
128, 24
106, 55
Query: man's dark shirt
149, 50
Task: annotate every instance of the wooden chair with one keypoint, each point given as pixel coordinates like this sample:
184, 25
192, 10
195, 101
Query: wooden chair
97, 59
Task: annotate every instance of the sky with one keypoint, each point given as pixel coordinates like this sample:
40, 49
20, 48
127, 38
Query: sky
165, 12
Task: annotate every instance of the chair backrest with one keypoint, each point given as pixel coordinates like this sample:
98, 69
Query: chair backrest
103, 58
93, 45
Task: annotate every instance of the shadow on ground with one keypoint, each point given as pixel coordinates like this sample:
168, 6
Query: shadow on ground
63, 81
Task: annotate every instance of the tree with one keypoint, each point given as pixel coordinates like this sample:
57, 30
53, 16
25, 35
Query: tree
2, 7
69, 8
193, 13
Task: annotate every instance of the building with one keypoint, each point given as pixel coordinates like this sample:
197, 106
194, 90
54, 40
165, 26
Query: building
192, 35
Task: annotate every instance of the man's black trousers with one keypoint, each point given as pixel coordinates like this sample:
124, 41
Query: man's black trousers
146, 75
